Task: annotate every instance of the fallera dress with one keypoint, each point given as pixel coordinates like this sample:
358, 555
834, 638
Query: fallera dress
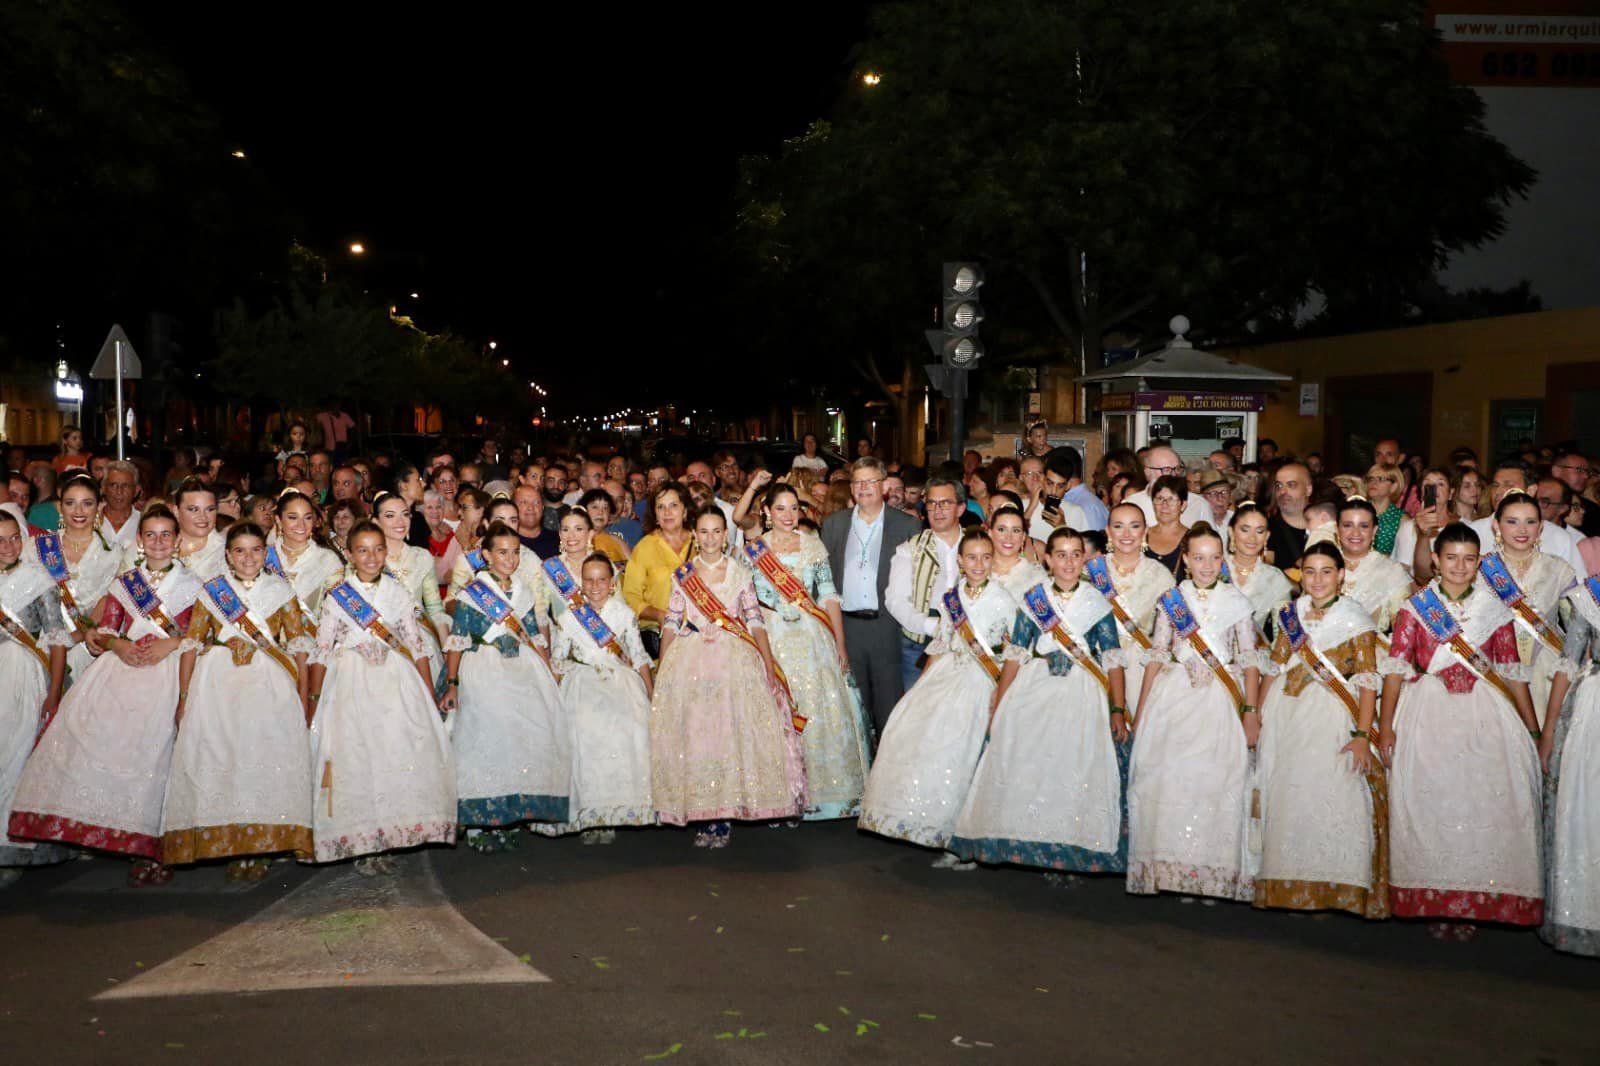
382, 776
99, 774
1050, 788
512, 730
1190, 779
240, 782
722, 744
1545, 584
89, 579
1572, 789
836, 738
1138, 593
1324, 826
28, 597
610, 713
1465, 783
930, 748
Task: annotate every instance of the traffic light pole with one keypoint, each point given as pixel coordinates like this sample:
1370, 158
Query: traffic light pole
958, 414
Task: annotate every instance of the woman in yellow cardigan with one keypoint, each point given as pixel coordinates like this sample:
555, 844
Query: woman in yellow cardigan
647, 583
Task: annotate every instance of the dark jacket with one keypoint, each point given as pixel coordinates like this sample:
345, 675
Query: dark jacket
898, 527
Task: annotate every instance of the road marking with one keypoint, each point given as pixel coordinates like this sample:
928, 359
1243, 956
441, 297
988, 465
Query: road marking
342, 930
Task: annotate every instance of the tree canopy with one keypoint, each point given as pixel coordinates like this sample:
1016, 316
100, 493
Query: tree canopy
1123, 160
117, 190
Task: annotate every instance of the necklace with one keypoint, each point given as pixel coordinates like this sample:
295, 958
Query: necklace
1519, 567
1204, 594
1119, 569
1317, 612
1242, 573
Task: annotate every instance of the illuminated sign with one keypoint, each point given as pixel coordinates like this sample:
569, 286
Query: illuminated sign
69, 392
1547, 43
1196, 402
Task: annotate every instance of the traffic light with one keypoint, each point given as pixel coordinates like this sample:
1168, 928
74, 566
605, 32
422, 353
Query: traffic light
957, 344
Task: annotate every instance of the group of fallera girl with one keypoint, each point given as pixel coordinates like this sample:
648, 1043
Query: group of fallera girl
1429, 752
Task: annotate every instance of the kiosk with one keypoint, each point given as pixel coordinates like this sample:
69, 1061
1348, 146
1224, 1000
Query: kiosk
1194, 401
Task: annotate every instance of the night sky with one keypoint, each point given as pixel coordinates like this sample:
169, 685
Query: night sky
548, 176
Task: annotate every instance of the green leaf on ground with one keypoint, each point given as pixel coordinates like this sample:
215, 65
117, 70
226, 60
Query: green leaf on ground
929, 1017
658, 1056
819, 1027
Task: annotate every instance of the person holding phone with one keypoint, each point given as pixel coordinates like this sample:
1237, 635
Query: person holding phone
1413, 542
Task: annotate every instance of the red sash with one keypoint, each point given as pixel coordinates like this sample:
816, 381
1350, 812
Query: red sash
789, 587
706, 601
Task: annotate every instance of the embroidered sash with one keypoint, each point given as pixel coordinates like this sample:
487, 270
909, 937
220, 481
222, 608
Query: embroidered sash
706, 602
487, 599
1037, 601
475, 560
925, 568
1324, 671
963, 626
1498, 576
1444, 629
1187, 627
366, 616
55, 564
790, 587
237, 613
1098, 572
586, 615
146, 601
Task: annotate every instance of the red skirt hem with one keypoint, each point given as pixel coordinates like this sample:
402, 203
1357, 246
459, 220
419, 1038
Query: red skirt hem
26, 825
1465, 906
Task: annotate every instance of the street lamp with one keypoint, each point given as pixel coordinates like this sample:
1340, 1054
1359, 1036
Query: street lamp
871, 79
357, 248
237, 153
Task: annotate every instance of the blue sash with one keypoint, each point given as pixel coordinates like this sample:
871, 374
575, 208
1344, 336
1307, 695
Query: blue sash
958, 618
1187, 627
1444, 629
581, 609
227, 599
236, 612
475, 561
1098, 571
1494, 571
274, 564
488, 602
1593, 585
360, 611
145, 600
1037, 602
50, 554
1176, 608
1289, 623
1435, 616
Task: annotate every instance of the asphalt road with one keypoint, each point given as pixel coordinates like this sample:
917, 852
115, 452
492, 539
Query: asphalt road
811, 945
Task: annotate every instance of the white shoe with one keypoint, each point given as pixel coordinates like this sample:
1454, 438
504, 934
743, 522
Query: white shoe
951, 861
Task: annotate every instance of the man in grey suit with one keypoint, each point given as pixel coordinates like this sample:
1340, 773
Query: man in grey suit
860, 543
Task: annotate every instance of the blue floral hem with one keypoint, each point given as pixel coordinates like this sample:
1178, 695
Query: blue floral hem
1571, 938
509, 810
998, 851
1068, 857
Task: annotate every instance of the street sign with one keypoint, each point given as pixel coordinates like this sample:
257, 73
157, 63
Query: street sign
105, 364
